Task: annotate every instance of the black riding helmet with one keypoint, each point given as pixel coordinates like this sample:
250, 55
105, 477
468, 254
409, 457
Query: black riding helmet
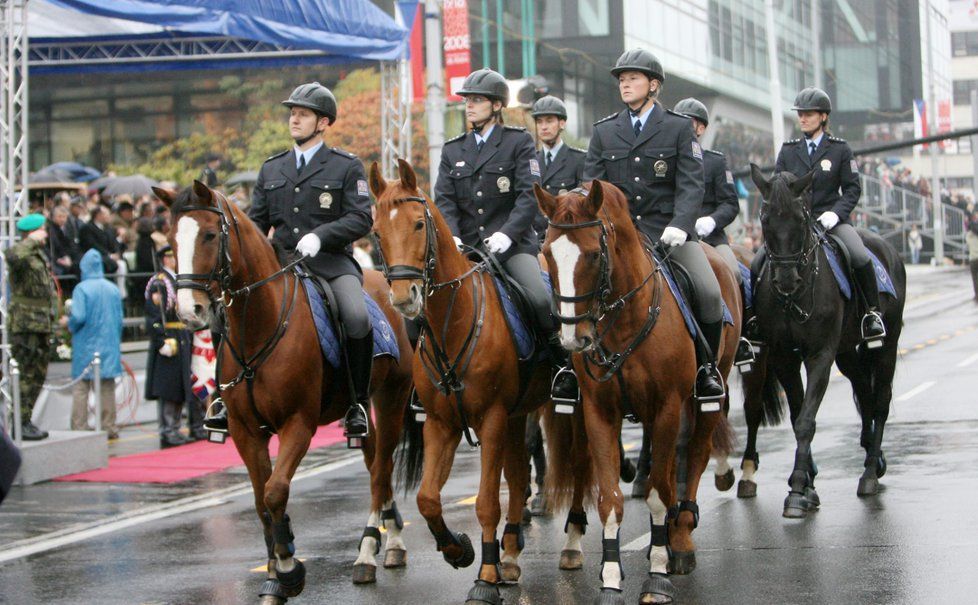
813, 99
549, 106
316, 97
488, 83
639, 60
694, 109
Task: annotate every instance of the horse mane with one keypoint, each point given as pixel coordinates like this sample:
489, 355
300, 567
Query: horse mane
781, 188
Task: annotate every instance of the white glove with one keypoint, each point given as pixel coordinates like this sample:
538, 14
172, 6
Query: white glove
673, 236
167, 350
829, 219
498, 242
705, 226
458, 243
308, 245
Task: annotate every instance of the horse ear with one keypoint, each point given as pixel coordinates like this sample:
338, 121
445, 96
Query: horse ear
595, 197
547, 202
801, 185
203, 192
408, 178
763, 185
378, 184
164, 196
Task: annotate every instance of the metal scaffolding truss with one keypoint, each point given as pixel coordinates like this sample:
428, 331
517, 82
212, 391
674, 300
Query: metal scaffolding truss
395, 115
13, 156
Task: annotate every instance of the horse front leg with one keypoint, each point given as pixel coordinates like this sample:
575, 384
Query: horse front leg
802, 496
754, 385
644, 466
516, 467
572, 555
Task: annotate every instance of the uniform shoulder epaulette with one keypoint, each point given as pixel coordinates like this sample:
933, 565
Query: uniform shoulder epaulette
606, 118
576, 149
714, 151
837, 139
517, 128
791, 141
278, 155
343, 152
458, 138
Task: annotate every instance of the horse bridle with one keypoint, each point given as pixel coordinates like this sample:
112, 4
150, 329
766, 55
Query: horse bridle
806, 258
597, 297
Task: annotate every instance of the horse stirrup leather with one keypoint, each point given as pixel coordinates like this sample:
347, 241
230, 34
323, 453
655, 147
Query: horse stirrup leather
216, 422
872, 338
562, 403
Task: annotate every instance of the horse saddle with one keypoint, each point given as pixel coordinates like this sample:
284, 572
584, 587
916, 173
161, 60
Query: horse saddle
681, 287
330, 331
842, 270
519, 315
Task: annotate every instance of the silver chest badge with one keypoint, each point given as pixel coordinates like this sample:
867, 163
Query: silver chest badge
503, 184
325, 200
660, 168
826, 165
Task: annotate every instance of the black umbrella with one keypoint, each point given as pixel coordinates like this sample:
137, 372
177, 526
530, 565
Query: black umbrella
247, 177
136, 185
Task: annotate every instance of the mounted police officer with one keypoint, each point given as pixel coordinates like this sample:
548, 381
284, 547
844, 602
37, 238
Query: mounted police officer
652, 155
317, 200
720, 206
562, 165
835, 192
485, 192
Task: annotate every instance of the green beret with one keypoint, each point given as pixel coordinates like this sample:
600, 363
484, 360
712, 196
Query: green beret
31, 222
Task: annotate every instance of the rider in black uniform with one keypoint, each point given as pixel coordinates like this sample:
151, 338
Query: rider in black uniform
562, 166
835, 192
485, 192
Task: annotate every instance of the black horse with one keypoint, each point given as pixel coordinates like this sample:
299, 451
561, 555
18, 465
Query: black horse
803, 317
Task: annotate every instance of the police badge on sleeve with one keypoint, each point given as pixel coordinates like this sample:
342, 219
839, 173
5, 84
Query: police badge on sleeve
697, 150
534, 167
362, 188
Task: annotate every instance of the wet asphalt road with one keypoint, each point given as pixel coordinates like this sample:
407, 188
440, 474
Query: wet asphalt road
195, 542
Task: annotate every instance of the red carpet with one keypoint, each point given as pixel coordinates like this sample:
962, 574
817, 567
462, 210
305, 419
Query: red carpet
186, 461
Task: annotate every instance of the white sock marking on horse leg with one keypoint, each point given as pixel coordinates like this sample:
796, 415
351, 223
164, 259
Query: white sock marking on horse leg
610, 571
393, 533
566, 254
369, 545
749, 470
659, 557
722, 465
573, 541
186, 238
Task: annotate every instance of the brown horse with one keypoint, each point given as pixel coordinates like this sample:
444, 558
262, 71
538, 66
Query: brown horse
466, 370
635, 359
275, 380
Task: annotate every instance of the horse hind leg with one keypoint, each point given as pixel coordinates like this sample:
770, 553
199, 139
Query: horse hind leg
516, 468
657, 587
875, 464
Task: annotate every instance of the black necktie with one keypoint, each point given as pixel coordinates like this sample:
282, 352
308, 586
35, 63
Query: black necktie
811, 148
638, 127
479, 144
302, 163
550, 158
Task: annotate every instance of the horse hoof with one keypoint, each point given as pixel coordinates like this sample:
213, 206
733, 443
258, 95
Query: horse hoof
483, 592
795, 506
628, 471
724, 481
682, 563
657, 589
364, 574
746, 489
395, 557
526, 520
609, 596
509, 573
868, 486
271, 600
292, 582
571, 560
468, 554
271, 593
638, 488
880, 466
812, 501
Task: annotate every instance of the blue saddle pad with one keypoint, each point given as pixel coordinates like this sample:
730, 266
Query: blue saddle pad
684, 305
748, 289
517, 324
385, 342
883, 282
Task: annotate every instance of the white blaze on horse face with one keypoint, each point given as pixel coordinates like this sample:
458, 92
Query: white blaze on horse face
659, 556
611, 571
566, 254
186, 238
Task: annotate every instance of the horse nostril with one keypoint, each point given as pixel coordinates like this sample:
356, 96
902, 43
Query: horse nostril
198, 310
586, 342
415, 291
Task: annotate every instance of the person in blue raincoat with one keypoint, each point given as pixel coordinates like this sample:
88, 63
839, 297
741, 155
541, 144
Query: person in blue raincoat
96, 326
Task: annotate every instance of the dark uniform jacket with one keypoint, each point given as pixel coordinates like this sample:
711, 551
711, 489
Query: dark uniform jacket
93, 235
167, 378
482, 192
720, 198
835, 185
329, 198
564, 174
660, 171
33, 303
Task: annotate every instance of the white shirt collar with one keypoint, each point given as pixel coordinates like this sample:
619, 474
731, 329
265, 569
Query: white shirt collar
553, 150
817, 140
484, 136
308, 153
641, 119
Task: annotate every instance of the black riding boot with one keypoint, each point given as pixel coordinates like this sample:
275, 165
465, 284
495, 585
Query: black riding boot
564, 390
360, 356
710, 391
872, 327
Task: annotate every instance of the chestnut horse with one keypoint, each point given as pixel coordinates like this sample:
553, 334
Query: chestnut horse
274, 378
635, 359
466, 375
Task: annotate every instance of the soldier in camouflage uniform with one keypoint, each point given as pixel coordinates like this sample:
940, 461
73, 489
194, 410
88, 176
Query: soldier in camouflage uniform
32, 313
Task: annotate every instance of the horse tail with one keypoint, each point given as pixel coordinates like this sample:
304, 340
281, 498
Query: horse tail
409, 458
773, 401
724, 439
568, 460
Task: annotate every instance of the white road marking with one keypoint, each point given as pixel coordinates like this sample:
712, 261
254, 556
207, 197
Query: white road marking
917, 390
146, 514
639, 543
968, 361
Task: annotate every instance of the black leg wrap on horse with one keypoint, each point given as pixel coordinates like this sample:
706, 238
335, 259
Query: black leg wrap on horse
371, 532
484, 592
282, 533
799, 480
658, 584
691, 506
446, 538
517, 529
490, 553
294, 580
392, 513
611, 553
272, 588
659, 534
579, 519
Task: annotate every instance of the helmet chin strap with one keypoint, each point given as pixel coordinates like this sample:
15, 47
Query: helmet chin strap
302, 141
640, 110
